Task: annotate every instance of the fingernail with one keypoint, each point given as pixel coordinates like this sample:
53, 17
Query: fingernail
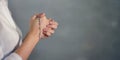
42, 14
50, 22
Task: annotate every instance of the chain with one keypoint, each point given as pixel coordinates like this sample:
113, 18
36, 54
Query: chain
40, 29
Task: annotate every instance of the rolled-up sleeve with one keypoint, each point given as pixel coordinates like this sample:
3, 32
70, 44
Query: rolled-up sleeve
1, 53
12, 56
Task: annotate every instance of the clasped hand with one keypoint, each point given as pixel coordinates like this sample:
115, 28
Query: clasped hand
46, 26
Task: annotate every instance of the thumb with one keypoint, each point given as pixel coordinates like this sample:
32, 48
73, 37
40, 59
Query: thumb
42, 16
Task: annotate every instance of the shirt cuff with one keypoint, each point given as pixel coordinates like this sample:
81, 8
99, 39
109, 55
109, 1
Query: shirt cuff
13, 56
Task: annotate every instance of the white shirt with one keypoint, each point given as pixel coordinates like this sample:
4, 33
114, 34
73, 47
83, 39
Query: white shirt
9, 34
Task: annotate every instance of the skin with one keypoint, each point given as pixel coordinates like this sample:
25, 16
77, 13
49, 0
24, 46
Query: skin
48, 27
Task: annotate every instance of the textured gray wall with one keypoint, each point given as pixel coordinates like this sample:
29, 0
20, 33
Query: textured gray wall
88, 30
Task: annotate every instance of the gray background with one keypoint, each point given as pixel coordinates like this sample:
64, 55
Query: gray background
88, 29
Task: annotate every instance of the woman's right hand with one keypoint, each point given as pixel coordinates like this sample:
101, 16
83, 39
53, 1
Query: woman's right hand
34, 25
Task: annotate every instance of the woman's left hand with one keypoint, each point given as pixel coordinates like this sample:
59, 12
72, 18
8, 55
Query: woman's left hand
50, 28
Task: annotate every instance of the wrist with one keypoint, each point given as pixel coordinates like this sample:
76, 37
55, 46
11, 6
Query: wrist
33, 36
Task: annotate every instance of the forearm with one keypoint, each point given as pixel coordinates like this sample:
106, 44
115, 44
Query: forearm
27, 46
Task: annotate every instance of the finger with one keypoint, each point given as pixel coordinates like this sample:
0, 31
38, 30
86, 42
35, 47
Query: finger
34, 17
42, 16
44, 36
49, 30
50, 21
47, 34
53, 22
52, 26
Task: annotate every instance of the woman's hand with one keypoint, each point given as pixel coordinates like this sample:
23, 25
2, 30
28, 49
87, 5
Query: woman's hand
47, 26
50, 28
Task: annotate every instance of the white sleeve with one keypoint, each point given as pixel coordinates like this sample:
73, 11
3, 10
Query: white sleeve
12, 56
1, 53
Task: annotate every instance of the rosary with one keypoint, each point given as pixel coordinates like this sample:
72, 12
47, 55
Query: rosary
40, 28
